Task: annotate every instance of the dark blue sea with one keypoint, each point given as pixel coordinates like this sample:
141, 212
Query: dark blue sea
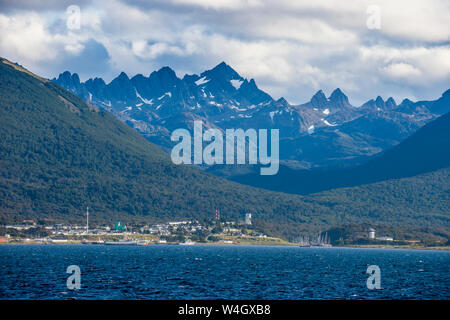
220, 272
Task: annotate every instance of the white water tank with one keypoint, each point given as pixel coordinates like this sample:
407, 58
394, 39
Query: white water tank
248, 218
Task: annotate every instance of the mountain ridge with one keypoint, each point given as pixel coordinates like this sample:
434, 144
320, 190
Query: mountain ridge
426, 150
59, 154
223, 99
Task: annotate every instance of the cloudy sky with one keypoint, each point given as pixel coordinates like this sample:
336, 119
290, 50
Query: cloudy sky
292, 48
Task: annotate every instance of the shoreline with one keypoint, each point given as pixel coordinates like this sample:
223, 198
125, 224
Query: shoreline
382, 247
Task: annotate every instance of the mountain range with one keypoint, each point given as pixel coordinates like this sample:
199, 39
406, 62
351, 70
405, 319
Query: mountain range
426, 150
59, 154
324, 132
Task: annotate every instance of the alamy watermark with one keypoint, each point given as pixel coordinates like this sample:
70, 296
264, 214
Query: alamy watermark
373, 21
74, 280
374, 280
236, 144
73, 21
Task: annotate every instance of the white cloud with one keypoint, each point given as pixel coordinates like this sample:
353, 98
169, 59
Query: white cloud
143, 50
27, 37
220, 4
401, 70
291, 48
414, 65
305, 30
417, 20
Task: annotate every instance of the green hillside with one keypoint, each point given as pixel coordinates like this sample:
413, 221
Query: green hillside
58, 155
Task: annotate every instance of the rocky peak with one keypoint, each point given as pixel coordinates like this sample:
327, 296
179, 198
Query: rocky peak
339, 99
319, 100
222, 72
379, 102
390, 103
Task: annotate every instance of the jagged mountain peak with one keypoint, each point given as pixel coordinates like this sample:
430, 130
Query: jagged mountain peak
391, 99
406, 102
164, 74
159, 82
338, 98
96, 80
252, 83
249, 85
122, 77
65, 74
166, 70
390, 103
222, 72
223, 66
319, 99
319, 93
379, 102
250, 91
68, 76
283, 101
71, 82
337, 93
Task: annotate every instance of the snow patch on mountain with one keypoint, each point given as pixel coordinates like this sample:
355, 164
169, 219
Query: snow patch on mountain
328, 124
215, 103
271, 114
236, 83
142, 99
169, 94
237, 109
126, 109
201, 81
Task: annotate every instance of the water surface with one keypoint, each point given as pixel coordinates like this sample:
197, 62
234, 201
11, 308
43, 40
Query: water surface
220, 272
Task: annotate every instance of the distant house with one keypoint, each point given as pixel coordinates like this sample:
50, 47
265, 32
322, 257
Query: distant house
385, 238
371, 233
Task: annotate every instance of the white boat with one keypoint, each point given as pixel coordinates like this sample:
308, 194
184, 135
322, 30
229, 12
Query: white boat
122, 243
58, 240
188, 242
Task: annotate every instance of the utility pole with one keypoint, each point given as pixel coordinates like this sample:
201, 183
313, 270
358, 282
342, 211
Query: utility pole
87, 220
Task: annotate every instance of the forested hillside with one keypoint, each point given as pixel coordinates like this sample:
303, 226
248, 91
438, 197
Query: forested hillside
59, 154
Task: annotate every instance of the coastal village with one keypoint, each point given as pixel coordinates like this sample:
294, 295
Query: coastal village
184, 232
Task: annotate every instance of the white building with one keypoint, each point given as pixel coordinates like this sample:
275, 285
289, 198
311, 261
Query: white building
248, 218
371, 233
385, 238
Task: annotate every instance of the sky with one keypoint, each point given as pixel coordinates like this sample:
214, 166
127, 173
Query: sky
292, 48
